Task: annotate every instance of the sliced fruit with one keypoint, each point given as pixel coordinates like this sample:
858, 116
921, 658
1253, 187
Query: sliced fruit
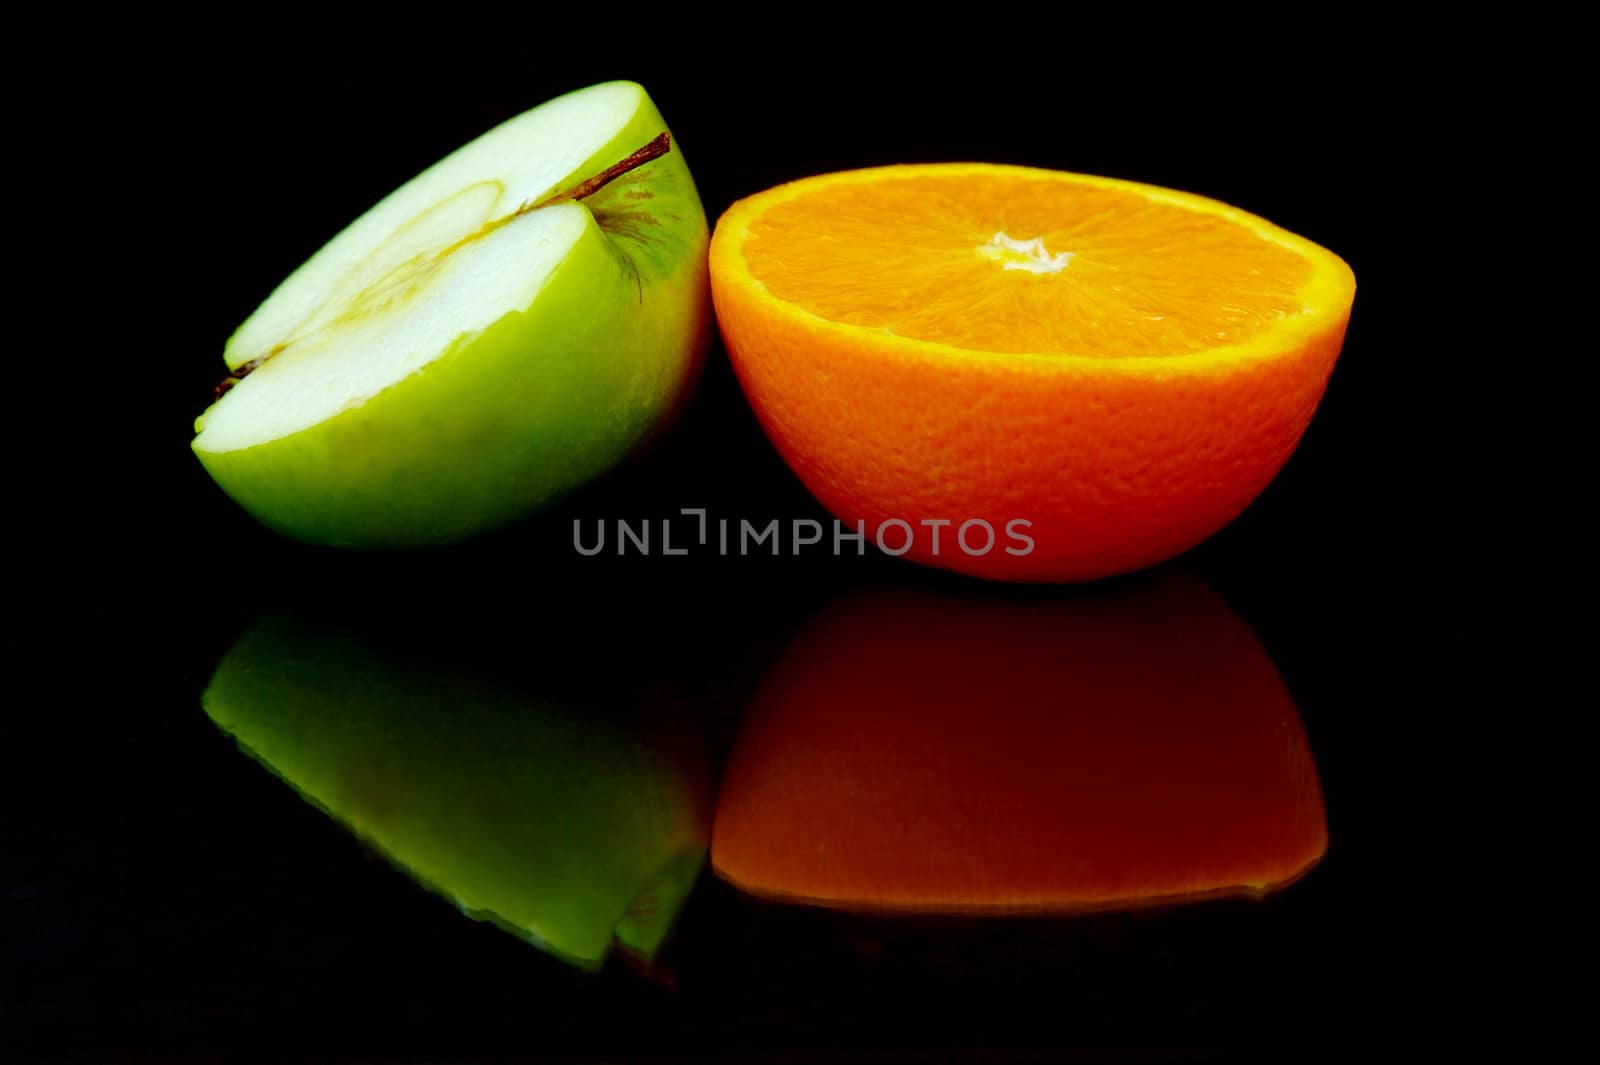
1124, 367
947, 753
502, 328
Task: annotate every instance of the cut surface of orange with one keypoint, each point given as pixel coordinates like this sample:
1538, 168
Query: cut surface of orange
1122, 368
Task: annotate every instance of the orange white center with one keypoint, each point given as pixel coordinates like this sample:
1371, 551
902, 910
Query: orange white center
1029, 255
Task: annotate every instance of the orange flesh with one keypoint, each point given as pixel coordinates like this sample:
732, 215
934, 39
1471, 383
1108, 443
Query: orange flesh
1013, 263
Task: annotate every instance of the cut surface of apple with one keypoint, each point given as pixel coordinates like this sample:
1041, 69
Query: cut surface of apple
499, 330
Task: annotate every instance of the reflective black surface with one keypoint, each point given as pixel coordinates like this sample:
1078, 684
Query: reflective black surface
175, 896
166, 897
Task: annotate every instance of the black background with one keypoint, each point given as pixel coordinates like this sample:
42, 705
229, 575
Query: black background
165, 898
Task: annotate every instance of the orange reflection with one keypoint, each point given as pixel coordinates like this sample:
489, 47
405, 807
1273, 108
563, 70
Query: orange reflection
965, 753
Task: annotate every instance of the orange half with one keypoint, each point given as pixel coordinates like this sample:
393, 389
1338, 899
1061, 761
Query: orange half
1118, 367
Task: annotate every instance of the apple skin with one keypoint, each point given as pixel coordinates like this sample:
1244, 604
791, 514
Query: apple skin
537, 404
567, 826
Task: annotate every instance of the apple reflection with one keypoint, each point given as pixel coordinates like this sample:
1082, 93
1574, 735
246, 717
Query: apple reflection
494, 775
969, 753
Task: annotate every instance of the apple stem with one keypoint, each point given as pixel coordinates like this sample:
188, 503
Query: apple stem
658, 146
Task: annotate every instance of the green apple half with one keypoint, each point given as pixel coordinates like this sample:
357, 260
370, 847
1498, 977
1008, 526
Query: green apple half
499, 330
571, 826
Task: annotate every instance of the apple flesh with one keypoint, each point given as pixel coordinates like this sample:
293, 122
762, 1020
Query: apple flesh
571, 826
476, 344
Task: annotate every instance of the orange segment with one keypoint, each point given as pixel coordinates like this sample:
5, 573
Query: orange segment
1122, 367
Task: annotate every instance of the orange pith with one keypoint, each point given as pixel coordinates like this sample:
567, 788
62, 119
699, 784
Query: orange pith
1123, 367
